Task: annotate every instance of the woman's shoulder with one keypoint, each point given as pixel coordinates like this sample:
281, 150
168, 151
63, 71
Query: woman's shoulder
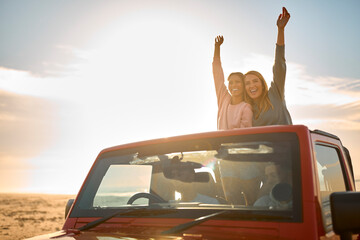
241, 105
247, 105
246, 108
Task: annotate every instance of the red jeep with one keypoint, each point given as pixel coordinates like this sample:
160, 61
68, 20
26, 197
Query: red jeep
274, 182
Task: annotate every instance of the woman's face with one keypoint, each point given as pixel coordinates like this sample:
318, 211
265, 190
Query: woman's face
253, 86
235, 86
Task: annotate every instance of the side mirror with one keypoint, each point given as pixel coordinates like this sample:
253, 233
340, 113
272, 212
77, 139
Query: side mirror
68, 206
345, 213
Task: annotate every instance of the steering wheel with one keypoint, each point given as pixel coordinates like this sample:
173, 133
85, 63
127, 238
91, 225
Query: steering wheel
150, 196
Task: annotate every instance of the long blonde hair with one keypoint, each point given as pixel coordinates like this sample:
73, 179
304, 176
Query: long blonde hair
264, 102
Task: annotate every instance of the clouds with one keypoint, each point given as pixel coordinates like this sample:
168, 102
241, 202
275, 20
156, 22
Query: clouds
348, 86
32, 32
334, 102
342, 117
35, 32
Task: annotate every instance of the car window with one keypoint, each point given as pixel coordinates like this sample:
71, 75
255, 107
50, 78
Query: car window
330, 178
120, 182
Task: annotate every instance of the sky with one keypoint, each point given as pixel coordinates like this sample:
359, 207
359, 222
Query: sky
80, 76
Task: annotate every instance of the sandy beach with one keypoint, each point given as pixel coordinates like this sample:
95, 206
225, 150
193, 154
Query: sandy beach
28, 215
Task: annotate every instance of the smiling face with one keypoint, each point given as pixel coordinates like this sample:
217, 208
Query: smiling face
235, 85
253, 86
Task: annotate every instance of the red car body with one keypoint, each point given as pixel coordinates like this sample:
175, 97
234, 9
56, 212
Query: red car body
312, 221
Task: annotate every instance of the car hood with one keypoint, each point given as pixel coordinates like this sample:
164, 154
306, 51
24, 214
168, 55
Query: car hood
111, 234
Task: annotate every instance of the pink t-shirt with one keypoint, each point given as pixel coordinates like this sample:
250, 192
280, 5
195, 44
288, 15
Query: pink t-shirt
229, 116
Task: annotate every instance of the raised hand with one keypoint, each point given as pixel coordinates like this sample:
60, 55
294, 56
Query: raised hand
283, 18
219, 40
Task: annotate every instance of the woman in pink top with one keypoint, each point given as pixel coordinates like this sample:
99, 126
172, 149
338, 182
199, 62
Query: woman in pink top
233, 112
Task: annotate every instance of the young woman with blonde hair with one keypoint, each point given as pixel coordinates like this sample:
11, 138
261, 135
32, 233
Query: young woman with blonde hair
269, 105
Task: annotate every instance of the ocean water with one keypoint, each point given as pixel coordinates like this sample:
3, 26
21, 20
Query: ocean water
118, 196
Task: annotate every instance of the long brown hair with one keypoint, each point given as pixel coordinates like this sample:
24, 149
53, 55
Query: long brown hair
264, 102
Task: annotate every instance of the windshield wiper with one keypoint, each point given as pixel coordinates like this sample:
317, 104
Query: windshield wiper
184, 226
154, 211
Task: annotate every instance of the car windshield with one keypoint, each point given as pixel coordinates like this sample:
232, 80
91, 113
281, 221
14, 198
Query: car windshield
249, 172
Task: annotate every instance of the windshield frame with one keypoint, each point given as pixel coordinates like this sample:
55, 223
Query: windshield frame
207, 143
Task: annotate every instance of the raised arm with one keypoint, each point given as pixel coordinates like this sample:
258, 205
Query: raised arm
218, 73
279, 68
218, 41
281, 23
